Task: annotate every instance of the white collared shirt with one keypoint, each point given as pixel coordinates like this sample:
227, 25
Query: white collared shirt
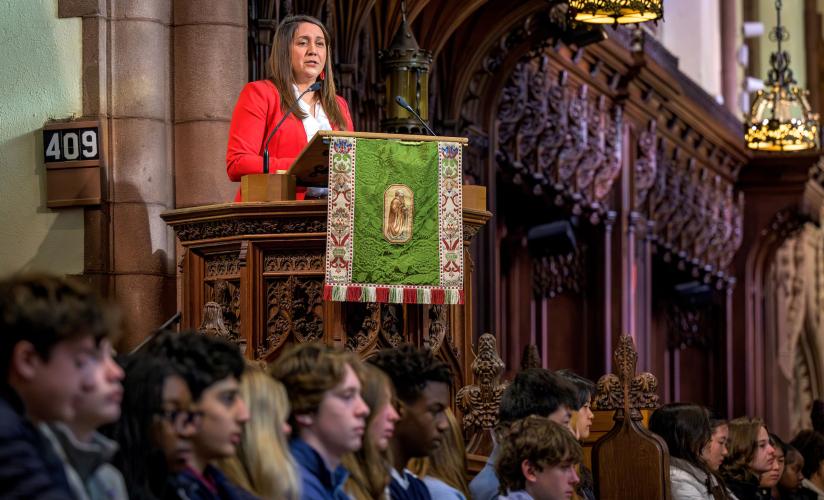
311, 124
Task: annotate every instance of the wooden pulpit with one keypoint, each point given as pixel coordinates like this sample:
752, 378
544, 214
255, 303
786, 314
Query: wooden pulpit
262, 264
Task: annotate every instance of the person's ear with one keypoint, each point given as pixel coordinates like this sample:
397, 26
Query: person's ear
25, 360
529, 471
304, 420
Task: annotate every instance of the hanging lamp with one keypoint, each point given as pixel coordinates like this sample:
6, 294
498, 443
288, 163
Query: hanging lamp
780, 117
616, 11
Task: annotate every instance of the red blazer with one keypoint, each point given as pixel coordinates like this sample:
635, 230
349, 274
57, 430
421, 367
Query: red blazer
256, 113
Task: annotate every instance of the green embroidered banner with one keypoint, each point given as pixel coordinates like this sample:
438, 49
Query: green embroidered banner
395, 227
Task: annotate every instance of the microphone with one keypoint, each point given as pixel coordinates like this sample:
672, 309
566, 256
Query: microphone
405, 105
312, 88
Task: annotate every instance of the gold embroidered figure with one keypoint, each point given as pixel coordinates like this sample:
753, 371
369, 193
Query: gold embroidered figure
398, 212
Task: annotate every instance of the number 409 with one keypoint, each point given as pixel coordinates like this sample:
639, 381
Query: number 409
67, 146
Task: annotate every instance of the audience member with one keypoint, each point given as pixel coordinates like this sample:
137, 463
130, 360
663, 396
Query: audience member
85, 452
444, 470
262, 464
533, 391
750, 455
369, 467
50, 331
156, 423
580, 423
212, 369
716, 450
686, 430
790, 483
536, 460
328, 414
811, 446
817, 415
770, 479
422, 385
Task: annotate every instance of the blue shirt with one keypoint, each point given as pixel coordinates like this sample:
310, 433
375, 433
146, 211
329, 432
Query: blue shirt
485, 485
317, 481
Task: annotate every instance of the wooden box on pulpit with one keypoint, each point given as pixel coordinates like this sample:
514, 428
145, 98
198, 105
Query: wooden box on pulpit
263, 264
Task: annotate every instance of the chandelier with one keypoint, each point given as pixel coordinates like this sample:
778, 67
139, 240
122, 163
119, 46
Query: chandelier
616, 11
780, 117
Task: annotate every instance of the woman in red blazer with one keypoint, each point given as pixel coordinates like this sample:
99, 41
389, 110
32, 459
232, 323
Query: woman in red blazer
299, 58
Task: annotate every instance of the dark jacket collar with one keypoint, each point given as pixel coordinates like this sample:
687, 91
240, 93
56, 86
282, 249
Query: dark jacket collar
11, 397
311, 460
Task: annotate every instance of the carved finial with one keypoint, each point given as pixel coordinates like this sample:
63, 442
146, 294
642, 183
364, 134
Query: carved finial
624, 390
531, 357
212, 323
479, 403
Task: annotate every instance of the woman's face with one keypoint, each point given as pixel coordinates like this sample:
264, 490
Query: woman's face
715, 451
382, 426
583, 421
792, 477
764, 457
771, 478
175, 426
308, 53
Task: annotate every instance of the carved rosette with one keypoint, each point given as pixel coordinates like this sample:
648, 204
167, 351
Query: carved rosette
479, 403
624, 391
559, 139
646, 165
294, 299
554, 275
697, 219
225, 228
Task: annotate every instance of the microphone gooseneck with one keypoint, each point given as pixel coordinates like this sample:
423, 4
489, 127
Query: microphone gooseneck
312, 88
405, 105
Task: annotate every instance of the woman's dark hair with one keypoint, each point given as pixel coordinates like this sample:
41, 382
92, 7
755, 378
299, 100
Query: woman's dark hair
141, 462
202, 360
817, 415
584, 387
686, 429
811, 446
280, 67
777, 443
535, 391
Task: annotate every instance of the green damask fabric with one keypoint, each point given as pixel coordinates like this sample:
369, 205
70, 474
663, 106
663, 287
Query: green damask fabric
375, 260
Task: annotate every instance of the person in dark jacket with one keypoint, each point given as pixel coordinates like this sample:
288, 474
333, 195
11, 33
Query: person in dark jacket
212, 368
750, 455
422, 385
49, 329
328, 415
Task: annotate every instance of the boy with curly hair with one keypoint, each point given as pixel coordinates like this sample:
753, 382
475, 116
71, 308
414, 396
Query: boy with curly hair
422, 385
537, 461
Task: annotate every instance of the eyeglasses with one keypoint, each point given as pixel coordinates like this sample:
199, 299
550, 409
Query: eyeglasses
181, 419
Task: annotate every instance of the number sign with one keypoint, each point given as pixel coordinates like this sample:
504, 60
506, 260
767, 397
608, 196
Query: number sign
71, 143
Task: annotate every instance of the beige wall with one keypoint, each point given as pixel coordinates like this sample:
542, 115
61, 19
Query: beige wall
41, 79
692, 32
792, 18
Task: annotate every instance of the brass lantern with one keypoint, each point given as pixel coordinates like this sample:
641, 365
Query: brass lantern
406, 69
780, 117
616, 11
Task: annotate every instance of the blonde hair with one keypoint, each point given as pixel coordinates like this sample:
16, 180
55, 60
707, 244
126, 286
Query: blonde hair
368, 467
280, 67
262, 464
447, 462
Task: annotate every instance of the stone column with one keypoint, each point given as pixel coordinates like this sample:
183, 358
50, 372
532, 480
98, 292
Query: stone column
210, 69
129, 252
